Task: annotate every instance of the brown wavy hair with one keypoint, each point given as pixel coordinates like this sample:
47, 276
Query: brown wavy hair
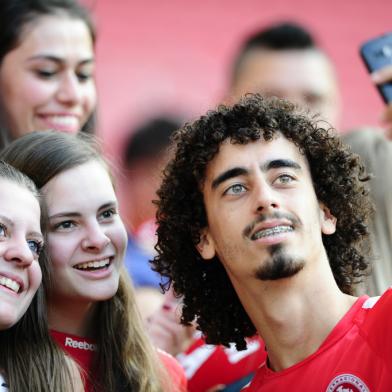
125, 358
338, 179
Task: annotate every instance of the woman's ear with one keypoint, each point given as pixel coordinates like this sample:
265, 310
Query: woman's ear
206, 246
327, 220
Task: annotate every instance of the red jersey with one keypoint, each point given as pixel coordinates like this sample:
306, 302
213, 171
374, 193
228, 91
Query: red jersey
82, 350
355, 357
207, 365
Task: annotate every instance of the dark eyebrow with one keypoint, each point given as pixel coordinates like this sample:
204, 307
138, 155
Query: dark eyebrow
108, 205
58, 60
278, 163
65, 215
241, 171
235, 172
72, 214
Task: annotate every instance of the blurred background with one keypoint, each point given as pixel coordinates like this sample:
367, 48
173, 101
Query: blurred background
161, 56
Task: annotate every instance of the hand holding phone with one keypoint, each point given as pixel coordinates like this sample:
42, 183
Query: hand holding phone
377, 56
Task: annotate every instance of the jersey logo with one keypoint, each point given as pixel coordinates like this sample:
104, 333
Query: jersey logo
347, 383
69, 342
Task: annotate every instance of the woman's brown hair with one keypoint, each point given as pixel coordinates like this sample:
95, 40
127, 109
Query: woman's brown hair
125, 359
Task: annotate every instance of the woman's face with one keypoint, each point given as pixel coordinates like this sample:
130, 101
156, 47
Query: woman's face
86, 239
47, 81
20, 243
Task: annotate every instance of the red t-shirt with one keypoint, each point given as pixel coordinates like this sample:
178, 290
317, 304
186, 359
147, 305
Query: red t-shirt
207, 365
355, 357
82, 351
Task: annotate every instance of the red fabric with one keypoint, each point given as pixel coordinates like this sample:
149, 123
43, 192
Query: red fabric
356, 356
177, 379
207, 366
82, 351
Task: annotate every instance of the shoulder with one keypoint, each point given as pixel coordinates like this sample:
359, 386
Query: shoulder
379, 305
377, 322
174, 370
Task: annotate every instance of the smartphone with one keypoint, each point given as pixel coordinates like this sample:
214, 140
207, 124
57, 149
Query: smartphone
376, 54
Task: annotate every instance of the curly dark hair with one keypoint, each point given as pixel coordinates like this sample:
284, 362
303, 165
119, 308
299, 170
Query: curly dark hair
339, 182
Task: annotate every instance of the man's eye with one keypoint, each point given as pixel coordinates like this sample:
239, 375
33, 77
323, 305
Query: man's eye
235, 189
285, 179
35, 246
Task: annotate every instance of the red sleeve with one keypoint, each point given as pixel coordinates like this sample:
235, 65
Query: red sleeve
378, 326
175, 372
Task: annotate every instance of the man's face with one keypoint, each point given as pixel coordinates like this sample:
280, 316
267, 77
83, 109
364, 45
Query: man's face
304, 77
264, 219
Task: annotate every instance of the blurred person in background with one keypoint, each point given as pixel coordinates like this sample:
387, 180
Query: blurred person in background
46, 67
376, 153
145, 155
284, 60
375, 149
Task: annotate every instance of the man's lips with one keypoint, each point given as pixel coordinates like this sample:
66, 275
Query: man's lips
270, 231
273, 224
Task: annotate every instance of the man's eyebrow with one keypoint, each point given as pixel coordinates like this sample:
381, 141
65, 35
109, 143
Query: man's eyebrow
241, 171
226, 175
278, 163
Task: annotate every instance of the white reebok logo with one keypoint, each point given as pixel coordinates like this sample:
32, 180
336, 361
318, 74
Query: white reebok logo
69, 342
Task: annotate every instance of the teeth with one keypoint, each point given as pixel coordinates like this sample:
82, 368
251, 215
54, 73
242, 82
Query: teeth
93, 264
9, 283
64, 120
272, 231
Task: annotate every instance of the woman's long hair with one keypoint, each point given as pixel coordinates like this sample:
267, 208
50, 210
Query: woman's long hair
29, 360
125, 359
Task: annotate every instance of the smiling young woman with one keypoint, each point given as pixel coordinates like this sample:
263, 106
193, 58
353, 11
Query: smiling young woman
46, 67
92, 311
29, 360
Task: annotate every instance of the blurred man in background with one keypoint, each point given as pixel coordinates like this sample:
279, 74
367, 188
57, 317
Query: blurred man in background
284, 60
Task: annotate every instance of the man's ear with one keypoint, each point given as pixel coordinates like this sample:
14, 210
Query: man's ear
327, 220
206, 246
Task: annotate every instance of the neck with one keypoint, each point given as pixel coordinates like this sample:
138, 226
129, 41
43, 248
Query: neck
294, 315
71, 317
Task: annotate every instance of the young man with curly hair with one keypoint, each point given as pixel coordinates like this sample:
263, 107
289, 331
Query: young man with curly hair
262, 226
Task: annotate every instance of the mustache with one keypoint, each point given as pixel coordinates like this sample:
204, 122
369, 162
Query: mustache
275, 215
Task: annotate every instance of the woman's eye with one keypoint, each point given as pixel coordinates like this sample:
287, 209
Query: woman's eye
45, 74
107, 214
3, 230
35, 246
83, 77
65, 225
235, 189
